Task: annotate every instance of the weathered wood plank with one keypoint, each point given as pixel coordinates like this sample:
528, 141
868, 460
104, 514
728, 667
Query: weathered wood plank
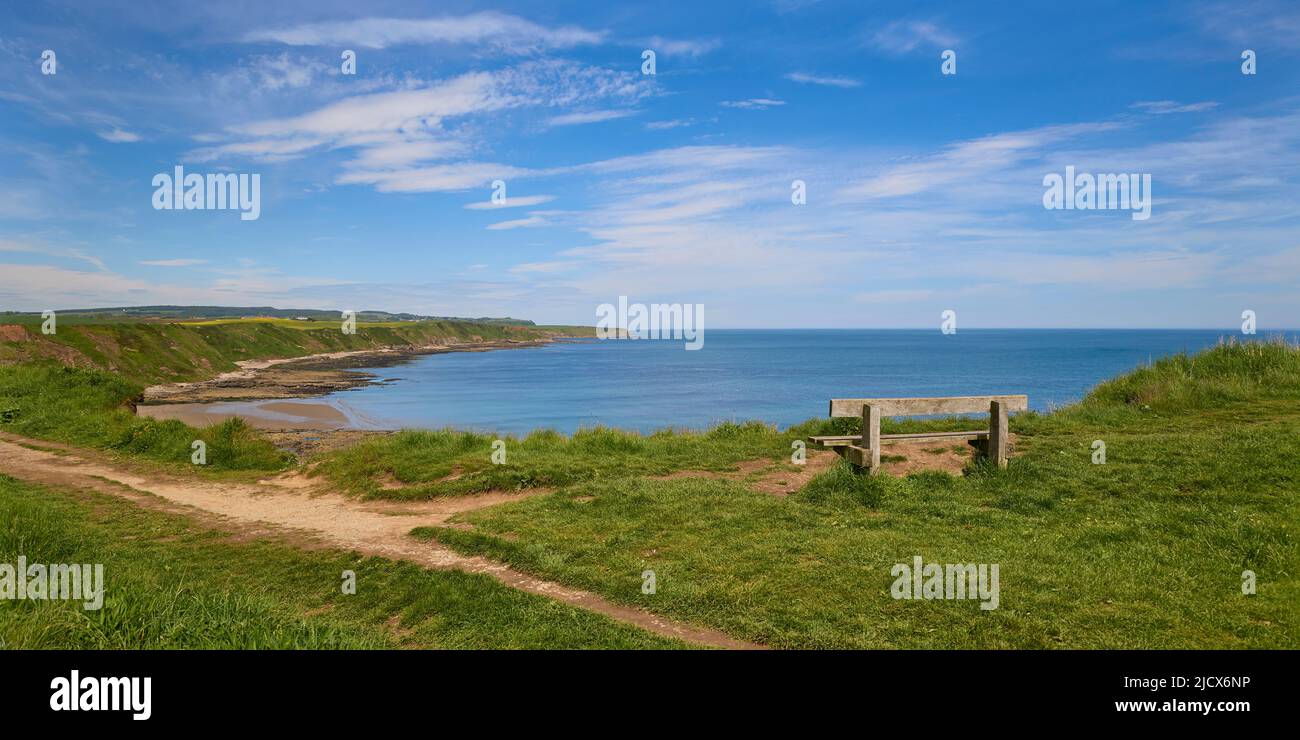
871, 434
835, 441
926, 406
832, 440
859, 456
998, 433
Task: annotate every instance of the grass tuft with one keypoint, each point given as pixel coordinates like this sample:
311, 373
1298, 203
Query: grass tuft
91, 408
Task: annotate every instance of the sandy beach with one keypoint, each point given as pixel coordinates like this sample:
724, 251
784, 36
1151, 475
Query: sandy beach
297, 415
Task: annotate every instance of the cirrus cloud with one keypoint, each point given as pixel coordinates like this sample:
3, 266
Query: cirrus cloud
499, 30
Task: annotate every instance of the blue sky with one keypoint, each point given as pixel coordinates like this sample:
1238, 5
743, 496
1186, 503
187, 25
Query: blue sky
924, 190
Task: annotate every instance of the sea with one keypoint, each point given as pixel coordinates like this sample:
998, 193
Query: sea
780, 377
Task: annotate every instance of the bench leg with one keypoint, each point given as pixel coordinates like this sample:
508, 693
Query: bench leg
998, 433
871, 435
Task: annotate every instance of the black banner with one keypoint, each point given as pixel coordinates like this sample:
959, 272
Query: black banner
231, 690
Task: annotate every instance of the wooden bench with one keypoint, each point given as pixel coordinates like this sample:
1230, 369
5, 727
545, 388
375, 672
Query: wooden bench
863, 449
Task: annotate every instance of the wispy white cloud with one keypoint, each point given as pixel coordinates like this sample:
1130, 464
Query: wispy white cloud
1173, 106
421, 108
906, 36
968, 162
546, 268
397, 150
38, 287
1268, 23
807, 79
413, 140
681, 47
457, 176
7, 245
265, 150
752, 103
891, 297
276, 72
595, 116
119, 136
667, 166
669, 124
518, 223
510, 202
501, 31
173, 262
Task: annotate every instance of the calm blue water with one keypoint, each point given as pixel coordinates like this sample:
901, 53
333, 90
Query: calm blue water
778, 376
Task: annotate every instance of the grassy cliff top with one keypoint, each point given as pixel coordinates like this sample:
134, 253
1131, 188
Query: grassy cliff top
1148, 546
156, 352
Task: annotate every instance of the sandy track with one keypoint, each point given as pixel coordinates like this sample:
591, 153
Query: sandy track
290, 504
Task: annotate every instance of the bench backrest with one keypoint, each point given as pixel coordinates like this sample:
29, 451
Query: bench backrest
926, 406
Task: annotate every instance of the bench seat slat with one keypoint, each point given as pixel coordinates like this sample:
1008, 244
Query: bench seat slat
839, 440
841, 407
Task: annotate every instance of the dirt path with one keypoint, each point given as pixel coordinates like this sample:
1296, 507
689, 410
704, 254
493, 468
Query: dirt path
764, 476
900, 457
290, 504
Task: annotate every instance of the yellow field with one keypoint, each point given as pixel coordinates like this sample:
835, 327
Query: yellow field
292, 323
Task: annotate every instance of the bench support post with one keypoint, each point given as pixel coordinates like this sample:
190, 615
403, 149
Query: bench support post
998, 433
871, 435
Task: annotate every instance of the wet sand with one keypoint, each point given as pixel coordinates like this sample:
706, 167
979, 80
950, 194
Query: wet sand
297, 415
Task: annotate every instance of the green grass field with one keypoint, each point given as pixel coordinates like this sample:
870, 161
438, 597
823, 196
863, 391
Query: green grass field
1201, 482
171, 583
416, 464
90, 408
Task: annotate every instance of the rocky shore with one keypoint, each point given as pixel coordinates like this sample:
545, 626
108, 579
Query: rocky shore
306, 377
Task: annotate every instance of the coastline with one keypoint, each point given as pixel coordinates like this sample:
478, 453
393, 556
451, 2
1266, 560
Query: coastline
266, 393
305, 377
